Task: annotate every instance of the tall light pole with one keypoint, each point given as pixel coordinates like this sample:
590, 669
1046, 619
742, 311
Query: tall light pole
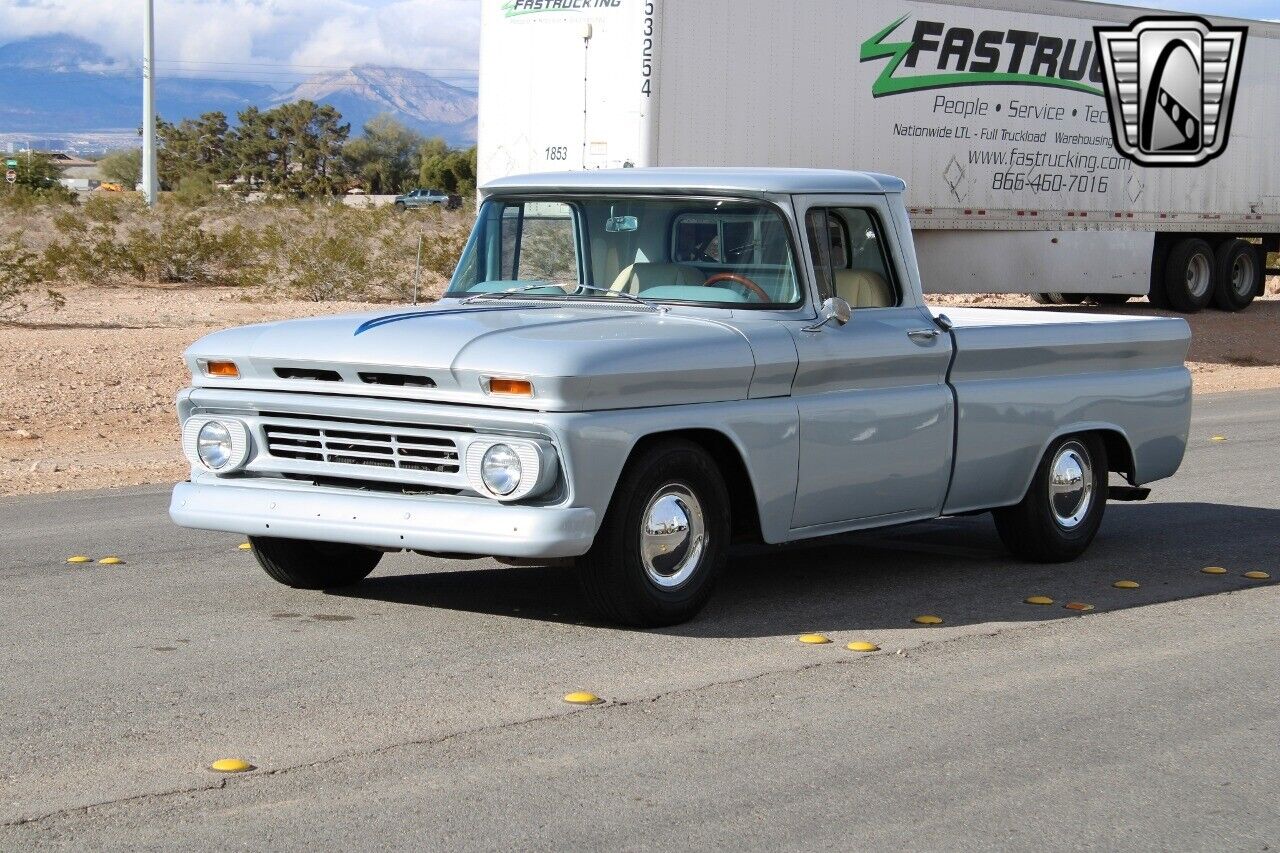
150, 183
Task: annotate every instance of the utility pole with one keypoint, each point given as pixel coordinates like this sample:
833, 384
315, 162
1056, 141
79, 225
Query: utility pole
150, 183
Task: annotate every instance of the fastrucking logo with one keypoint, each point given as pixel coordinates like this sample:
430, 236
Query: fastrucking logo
965, 57
518, 8
1171, 85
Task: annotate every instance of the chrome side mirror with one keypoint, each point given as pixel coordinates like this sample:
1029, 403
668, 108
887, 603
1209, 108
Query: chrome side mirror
834, 310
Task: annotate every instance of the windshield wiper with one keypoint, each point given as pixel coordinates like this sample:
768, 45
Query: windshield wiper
503, 294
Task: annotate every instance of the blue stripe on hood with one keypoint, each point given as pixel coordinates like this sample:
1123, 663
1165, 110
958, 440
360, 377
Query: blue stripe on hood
369, 325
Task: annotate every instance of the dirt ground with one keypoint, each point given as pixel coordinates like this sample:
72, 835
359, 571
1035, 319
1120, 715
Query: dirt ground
87, 394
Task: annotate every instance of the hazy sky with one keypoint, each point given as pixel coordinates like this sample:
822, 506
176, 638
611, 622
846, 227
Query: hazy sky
228, 36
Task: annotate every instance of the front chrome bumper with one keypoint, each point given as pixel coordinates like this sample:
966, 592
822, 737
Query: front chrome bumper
439, 524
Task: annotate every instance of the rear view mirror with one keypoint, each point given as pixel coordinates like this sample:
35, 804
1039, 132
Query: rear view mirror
618, 224
834, 310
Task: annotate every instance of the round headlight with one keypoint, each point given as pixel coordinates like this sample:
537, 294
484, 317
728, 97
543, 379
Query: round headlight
500, 470
213, 444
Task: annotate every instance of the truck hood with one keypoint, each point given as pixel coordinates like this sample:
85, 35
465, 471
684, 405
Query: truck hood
578, 357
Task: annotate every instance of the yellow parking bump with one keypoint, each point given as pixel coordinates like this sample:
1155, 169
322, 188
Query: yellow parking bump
862, 646
1214, 570
582, 697
231, 765
1126, 584
79, 558
111, 561
1038, 599
1078, 606
1257, 576
245, 546
1218, 438
927, 620
814, 639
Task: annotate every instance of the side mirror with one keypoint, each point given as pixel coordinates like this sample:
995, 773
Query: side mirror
834, 310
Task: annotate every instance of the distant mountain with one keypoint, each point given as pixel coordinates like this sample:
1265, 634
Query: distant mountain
63, 85
419, 100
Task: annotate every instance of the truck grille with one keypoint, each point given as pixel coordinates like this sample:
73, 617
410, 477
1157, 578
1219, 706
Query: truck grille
348, 445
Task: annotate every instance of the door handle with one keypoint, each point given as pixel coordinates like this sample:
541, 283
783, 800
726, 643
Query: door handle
921, 336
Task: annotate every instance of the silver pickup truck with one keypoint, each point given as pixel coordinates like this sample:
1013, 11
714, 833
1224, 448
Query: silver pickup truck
635, 368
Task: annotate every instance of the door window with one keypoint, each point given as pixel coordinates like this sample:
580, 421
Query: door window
849, 256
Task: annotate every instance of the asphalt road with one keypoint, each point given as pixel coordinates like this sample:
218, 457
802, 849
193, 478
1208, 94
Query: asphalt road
423, 709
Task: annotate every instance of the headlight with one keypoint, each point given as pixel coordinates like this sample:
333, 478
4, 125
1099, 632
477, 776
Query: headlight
500, 470
214, 445
218, 444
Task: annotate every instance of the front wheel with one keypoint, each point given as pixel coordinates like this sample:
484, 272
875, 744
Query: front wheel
1062, 510
314, 565
663, 539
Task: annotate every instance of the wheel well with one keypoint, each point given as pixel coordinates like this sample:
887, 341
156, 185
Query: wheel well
742, 496
1119, 453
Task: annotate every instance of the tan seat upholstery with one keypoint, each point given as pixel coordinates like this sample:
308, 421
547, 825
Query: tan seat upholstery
863, 289
642, 276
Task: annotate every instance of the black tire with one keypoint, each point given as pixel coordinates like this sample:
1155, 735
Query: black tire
1239, 274
401, 207
1156, 294
615, 576
1189, 275
1043, 298
1031, 529
314, 565
1111, 298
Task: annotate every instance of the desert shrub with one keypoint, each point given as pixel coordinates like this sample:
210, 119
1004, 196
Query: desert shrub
22, 274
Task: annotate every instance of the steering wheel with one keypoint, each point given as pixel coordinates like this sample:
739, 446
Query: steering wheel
738, 279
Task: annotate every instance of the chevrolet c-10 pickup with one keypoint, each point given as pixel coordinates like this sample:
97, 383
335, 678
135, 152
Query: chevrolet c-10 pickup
632, 369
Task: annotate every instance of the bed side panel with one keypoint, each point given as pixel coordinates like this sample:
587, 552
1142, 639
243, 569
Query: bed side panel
1020, 387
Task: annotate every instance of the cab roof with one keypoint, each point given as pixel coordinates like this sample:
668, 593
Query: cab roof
750, 181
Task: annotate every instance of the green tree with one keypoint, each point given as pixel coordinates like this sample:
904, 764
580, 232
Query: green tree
193, 147
452, 170
122, 166
295, 147
386, 157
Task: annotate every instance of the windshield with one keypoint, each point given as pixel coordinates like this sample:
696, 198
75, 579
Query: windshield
721, 252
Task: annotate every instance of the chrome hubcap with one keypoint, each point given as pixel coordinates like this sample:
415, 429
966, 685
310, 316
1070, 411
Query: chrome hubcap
1198, 275
1242, 275
1070, 485
673, 536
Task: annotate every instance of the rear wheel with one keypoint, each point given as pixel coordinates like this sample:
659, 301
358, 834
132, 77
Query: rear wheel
1063, 508
663, 539
314, 565
1239, 274
1189, 275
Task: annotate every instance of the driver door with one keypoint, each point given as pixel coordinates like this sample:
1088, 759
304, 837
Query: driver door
876, 414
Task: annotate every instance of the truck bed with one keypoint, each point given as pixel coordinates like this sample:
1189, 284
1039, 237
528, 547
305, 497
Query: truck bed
1015, 372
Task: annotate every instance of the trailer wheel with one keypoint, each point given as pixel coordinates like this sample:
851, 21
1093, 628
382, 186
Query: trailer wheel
1042, 298
663, 539
1062, 510
1189, 275
314, 565
1239, 273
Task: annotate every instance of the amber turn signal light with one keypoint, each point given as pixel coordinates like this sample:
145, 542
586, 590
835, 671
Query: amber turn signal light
222, 369
511, 387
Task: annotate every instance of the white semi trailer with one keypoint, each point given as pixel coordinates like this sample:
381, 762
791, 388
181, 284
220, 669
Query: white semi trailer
993, 111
